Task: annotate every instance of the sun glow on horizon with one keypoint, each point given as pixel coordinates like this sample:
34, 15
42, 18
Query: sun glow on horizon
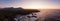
33, 6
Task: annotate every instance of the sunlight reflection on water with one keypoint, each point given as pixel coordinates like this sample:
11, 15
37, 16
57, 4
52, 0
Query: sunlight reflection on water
30, 17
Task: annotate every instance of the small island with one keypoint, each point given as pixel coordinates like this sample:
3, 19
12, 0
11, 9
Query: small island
10, 13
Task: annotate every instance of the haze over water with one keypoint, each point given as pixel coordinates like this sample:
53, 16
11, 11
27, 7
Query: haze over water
48, 13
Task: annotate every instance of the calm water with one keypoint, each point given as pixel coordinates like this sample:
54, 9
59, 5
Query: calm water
49, 13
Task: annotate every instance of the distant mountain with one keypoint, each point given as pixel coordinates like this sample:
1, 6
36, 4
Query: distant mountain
11, 9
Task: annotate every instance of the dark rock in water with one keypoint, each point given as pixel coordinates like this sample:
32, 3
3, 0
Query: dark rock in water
10, 13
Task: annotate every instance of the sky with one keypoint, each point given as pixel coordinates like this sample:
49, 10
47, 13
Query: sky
30, 3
